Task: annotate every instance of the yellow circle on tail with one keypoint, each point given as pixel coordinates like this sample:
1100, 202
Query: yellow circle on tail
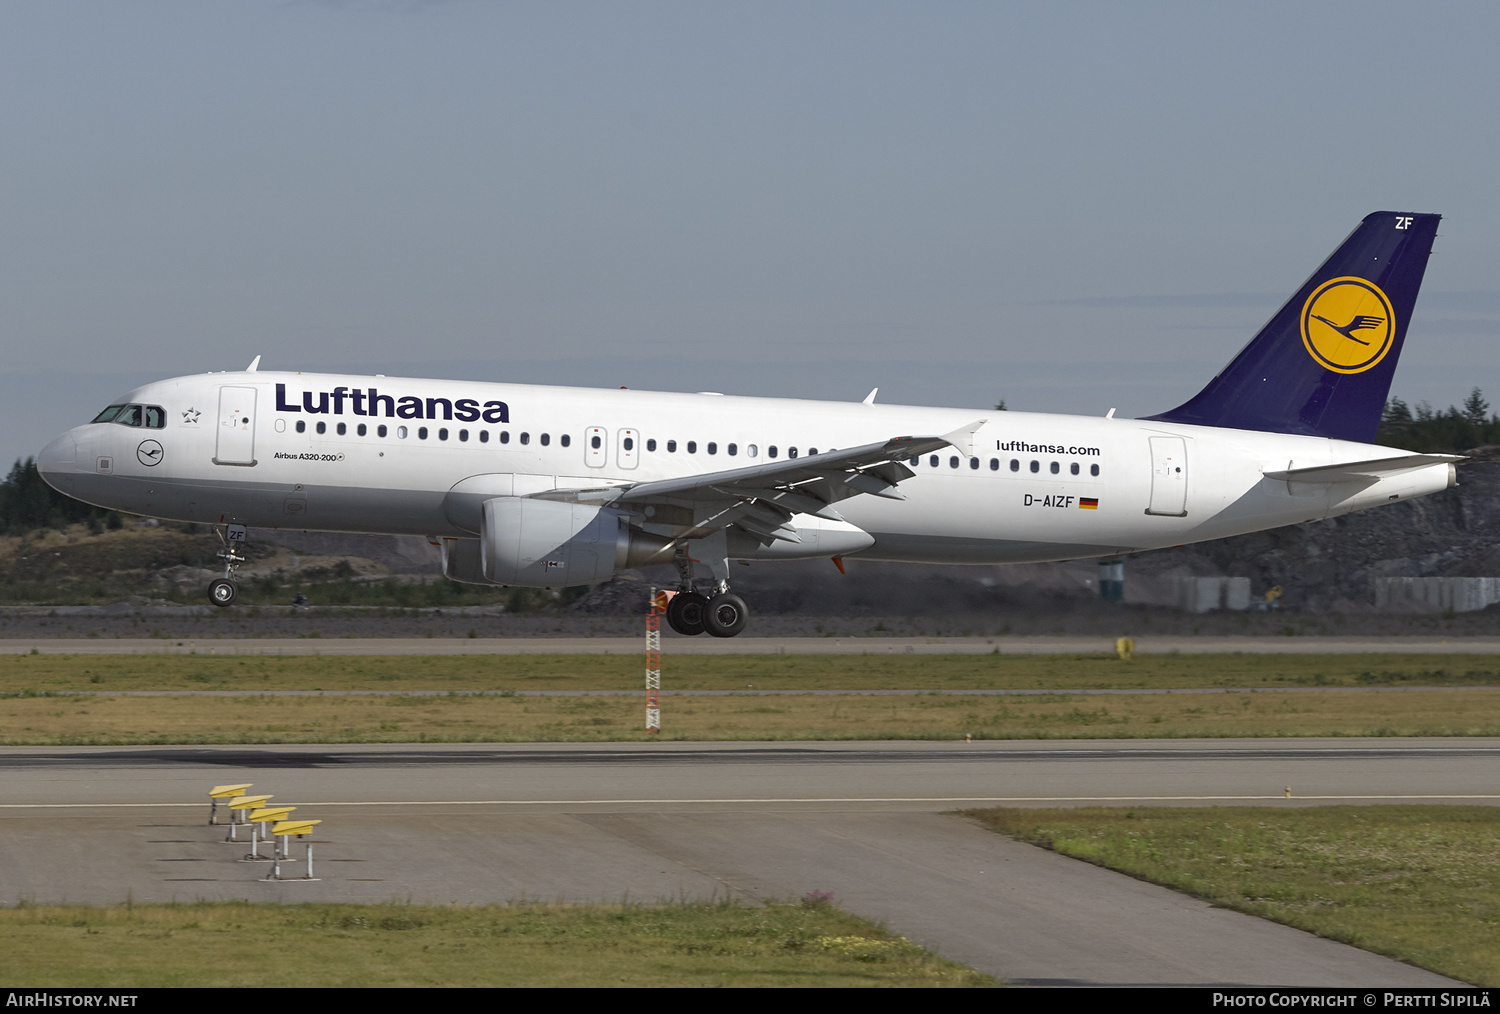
1348, 324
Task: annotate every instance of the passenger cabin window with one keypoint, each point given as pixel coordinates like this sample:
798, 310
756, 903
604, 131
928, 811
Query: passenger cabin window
692, 447
505, 436
323, 428
713, 448
301, 425
565, 440
1015, 465
1093, 469
525, 438
651, 444
546, 439
343, 429
671, 447
380, 430
1056, 468
771, 451
484, 436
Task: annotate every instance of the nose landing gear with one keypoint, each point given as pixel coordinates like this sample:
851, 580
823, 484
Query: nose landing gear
223, 591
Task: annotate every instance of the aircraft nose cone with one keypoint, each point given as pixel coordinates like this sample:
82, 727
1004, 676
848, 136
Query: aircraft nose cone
58, 458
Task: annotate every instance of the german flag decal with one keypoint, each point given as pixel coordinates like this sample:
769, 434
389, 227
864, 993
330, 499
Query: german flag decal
1088, 503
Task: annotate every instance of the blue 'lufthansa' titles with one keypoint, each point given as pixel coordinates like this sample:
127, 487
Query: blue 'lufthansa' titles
369, 402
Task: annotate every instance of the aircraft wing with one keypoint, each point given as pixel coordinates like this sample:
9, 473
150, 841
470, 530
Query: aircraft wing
762, 499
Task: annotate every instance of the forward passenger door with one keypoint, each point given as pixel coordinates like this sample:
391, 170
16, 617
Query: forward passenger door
236, 432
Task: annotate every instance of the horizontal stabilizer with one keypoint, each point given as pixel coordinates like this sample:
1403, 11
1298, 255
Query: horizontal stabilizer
1352, 471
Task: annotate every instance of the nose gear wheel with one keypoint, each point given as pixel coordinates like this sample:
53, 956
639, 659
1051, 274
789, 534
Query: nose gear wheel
222, 592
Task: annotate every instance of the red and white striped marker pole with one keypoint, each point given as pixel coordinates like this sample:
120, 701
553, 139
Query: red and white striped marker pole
658, 605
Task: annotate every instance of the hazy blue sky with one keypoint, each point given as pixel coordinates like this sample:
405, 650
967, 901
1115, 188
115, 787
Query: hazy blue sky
1071, 206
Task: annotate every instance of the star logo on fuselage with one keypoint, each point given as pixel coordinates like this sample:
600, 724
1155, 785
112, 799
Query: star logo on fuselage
191, 415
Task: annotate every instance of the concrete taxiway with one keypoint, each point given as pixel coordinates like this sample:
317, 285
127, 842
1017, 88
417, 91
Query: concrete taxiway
869, 822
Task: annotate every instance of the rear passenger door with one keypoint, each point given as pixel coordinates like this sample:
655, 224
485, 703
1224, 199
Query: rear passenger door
1168, 477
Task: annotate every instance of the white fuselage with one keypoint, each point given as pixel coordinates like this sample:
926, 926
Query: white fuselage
247, 448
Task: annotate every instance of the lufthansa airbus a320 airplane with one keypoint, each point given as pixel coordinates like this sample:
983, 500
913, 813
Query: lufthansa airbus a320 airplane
556, 486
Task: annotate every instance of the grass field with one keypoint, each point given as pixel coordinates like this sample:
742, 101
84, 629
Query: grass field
56, 700
226, 944
80, 719
1419, 883
736, 672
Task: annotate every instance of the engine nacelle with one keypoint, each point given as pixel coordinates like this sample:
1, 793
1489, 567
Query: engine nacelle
462, 561
551, 544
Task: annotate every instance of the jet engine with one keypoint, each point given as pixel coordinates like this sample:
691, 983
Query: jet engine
551, 544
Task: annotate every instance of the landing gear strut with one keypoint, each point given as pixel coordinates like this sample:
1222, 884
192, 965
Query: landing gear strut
223, 591
720, 614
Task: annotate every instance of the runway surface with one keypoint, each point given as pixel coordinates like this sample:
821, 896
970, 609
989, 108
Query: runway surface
608, 822
673, 645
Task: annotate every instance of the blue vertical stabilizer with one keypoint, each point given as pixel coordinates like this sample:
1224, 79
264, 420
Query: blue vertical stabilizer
1323, 364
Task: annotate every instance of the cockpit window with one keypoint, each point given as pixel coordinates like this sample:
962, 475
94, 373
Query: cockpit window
151, 416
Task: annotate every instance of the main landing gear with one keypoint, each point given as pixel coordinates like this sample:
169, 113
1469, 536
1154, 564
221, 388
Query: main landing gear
721, 614
223, 591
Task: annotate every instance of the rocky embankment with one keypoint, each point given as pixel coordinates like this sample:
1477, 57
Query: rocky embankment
1326, 571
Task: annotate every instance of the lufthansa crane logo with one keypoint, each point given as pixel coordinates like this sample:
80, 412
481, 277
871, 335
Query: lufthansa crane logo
1348, 325
149, 453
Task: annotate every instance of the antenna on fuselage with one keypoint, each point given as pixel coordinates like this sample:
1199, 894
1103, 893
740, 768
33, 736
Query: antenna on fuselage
254, 365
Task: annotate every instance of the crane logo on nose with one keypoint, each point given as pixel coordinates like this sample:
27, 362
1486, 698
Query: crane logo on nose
149, 453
